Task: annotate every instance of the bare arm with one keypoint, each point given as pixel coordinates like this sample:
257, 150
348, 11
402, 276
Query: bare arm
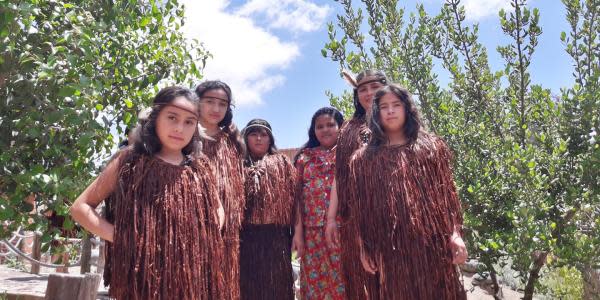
333, 203
298, 238
83, 210
332, 236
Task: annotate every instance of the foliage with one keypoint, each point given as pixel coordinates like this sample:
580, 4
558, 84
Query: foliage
562, 283
526, 166
69, 72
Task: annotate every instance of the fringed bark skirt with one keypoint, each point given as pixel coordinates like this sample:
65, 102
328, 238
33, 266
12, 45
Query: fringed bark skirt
266, 262
358, 282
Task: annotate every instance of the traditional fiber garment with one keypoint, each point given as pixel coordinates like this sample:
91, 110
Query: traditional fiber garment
353, 135
166, 243
407, 208
320, 275
226, 160
266, 240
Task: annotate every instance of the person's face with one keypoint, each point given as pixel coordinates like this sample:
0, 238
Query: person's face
176, 124
366, 91
326, 130
393, 114
213, 106
259, 142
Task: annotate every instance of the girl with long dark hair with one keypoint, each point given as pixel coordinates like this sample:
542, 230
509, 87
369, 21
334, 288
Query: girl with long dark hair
225, 149
340, 229
321, 271
162, 218
406, 206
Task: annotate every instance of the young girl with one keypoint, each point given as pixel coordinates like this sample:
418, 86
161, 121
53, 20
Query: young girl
225, 149
265, 256
353, 135
164, 205
321, 275
407, 209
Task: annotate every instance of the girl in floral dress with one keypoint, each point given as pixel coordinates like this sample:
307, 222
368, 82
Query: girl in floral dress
321, 276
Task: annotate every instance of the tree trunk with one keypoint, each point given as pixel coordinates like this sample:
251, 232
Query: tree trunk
86, 254
75, 287
495, 286
36, 253
539, 259
591, 282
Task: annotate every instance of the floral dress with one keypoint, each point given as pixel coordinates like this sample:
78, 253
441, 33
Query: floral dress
321, 276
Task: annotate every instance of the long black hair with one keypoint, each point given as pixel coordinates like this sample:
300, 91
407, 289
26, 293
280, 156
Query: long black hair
147, 141
312, 137
412, 126
227, 123
359, 111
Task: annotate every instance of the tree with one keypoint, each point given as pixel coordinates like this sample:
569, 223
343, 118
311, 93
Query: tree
527, 197
69, 72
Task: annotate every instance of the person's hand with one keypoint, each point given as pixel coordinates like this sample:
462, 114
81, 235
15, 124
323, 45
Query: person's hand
298, 243
459, 250
332, 234
221, 217
367, 262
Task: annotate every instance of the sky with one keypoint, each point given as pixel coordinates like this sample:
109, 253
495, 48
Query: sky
269, 52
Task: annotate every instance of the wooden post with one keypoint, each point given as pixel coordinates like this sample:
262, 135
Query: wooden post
101, 258
36, 253
76, 287
86, 253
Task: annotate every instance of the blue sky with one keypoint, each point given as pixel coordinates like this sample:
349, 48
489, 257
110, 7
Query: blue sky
269, 51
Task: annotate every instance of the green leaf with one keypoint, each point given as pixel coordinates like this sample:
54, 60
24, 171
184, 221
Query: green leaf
144, 21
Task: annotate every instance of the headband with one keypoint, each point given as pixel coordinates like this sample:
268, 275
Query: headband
214, 98
379, 79
258, 125
145, 113
180, 107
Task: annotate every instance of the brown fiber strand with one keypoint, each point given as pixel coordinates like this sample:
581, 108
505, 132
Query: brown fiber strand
227, 163
406, 214
166, 243
353, 135
265, 256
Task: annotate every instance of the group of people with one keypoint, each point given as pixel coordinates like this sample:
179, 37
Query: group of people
196, 209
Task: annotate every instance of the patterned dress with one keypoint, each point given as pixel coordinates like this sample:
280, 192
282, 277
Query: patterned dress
321, 276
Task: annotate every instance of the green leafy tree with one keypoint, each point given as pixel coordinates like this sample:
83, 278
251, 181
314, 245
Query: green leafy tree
527, 197
69, 72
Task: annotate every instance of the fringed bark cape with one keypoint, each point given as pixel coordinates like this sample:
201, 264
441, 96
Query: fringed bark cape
353, 135
166, 243
227, 164
407, 208
265, 254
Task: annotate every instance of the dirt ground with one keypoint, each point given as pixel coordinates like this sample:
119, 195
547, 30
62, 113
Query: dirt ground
14, 281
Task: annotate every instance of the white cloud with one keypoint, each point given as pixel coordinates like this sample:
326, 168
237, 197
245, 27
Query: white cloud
246, 56
479, 9
294, 15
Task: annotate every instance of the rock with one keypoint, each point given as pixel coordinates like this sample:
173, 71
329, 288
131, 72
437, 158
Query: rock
482, 279
470, 266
